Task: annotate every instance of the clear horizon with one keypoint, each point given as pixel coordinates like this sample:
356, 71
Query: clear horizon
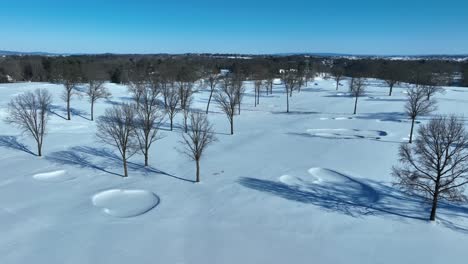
264, 27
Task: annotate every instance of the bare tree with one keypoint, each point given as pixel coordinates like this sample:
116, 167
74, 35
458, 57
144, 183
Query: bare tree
437, 164
30, 112
212, 79
185, 95
391, 83
391, 74
357, 88
431, 90
237, 81
117, 128
338, 74
199, 136
227, 99
149, 117
416, 105
290, 82
68, 93
171, 99
257, 89
309, 75
136, 89
68, 73
269, 85
96, 90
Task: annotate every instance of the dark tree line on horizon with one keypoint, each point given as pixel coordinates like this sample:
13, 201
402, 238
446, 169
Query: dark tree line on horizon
127, 68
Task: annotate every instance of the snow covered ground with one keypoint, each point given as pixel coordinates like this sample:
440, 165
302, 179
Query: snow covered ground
311, 186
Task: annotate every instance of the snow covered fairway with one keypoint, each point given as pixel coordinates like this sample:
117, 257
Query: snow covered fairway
311, 186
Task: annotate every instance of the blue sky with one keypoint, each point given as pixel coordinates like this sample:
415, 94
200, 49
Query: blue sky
237, 26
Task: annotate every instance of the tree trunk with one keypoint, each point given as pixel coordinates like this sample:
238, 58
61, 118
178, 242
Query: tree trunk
411, 132
391, 90
209, 100
434, 203
355, 105
255, 98
68, 108
287, 102
125, 166
232, 125
337, 83
146, 158
39, 149
238, 107
171, 124
198, 171
92, 111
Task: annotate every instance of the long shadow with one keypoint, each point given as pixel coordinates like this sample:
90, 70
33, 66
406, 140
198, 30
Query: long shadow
57, 114
295, 113
70, 157
112, 102
80, 113
313, 89
13, 143
73, 111
86, 157
379, 99
397, 117
359, 198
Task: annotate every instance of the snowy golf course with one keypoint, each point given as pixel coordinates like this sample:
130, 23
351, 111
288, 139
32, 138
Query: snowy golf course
310, 186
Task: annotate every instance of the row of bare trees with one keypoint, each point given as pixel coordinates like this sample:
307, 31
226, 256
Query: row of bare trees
129, 128
132, 128
30, 111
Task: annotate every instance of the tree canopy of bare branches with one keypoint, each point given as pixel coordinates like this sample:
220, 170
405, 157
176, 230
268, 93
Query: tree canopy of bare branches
437, 164
117, 128
416, 105
30, 112
96, 90
197, 139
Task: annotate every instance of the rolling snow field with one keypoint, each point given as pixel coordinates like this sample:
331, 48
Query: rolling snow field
311, 186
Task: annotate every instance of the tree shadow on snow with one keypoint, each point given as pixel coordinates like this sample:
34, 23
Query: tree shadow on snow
383, 99
295, 113
359, 198
87, 157
13, 143
73, 111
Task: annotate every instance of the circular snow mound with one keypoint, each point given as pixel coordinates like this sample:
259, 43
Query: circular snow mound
125, 203
53, 176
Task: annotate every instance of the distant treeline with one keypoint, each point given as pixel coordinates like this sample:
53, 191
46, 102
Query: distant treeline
126, 68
